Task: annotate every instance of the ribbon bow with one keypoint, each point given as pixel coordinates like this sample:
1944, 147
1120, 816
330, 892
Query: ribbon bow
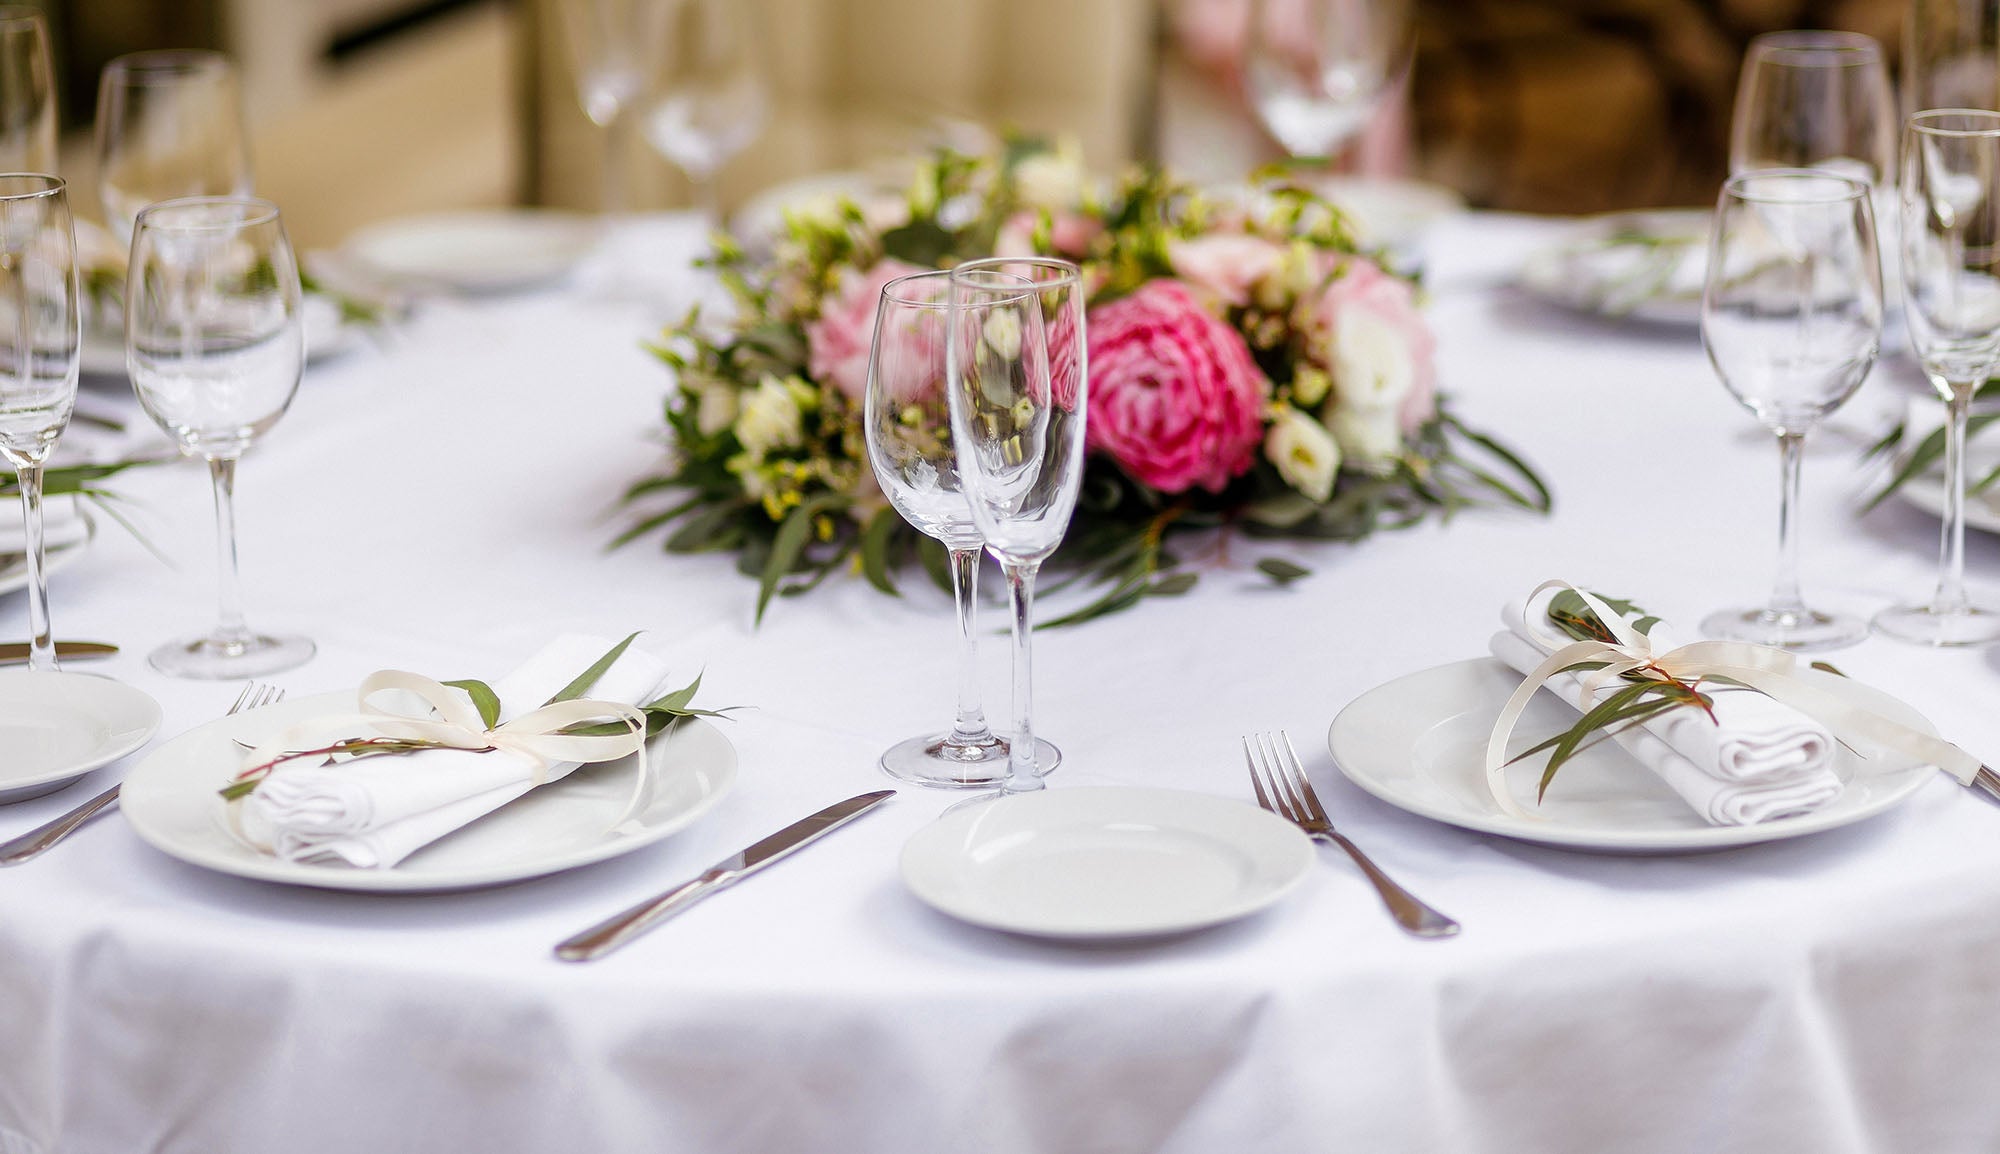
1843, 707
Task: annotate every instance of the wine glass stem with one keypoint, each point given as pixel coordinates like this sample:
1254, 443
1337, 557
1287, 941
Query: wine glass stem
706, 200
41, 646
1950, 598
1785, 599
617, 147
971, 727
1021, 776
229, 627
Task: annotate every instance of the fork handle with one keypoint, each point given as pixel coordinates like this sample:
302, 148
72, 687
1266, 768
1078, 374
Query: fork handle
1416, 918
35, 841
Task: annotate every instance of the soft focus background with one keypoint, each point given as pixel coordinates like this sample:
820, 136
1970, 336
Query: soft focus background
366, 109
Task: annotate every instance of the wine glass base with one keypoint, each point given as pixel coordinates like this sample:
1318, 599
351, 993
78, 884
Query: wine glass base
1804, 629
210, 659
934, 761
1923, 625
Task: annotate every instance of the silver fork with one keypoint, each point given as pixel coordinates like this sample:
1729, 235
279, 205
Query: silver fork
1281, 785
37, 841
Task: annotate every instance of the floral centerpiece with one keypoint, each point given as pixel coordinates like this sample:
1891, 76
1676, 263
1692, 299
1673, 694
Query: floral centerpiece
1250, 369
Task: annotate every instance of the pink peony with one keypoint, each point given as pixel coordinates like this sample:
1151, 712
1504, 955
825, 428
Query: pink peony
1362, 302
1070, 234
837, 341
1228, 265
1174, 397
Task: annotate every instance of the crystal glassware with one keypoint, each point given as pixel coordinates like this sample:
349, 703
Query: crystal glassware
1316, 69
27, 92
907, 422
1811, 99
40, 340
1951, 298
1791, 316
711, 102
214, 347
169, 125
1951, 55
616, 46
1015, 383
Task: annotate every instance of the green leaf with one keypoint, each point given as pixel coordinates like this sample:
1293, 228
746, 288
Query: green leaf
484, 699
1281, 571
1172, 585
1927, 453
788, 547
588, 677
875, 542
921, 242
677, 700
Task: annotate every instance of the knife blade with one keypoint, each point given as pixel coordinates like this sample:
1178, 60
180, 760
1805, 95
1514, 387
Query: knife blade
16, 652
620, 928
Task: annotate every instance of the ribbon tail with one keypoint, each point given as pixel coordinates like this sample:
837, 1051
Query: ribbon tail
1503, 726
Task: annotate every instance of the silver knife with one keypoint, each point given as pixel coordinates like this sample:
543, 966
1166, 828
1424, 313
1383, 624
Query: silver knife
615, 931
16, 652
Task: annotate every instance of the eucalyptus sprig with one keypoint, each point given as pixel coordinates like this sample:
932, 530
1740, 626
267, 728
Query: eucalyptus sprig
1930, 450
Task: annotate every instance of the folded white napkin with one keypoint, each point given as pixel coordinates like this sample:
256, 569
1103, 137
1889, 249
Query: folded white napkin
1758, 759
62, 524
373, 812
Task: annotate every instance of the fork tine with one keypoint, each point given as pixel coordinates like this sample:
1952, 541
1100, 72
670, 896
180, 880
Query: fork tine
1298, 772
243, 697
1281, 783
1256, 782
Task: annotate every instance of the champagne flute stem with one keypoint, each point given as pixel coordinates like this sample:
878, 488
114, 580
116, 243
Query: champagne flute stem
1021, 776
614, 195
1785, 598
706, 200
229, 628
971, 727
1950, 599
41, 646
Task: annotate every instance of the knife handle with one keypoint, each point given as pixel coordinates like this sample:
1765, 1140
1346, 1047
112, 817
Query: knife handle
618, 929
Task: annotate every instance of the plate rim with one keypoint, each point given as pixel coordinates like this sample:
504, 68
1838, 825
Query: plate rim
579, 231
103, 755
394, 880
1690, 840
1303, 851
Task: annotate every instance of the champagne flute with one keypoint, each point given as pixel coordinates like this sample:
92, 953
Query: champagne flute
1316, 69
214, 348
908, 427
169, 125
1791, 317
1951, 294
40, 339
617, 45
712, 103
1015, 382
27, 92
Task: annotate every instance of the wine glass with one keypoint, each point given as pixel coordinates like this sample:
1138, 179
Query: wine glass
1810, 99
27, 92
908, 426
617, 46
214, 347
1951, 294
1791, 316
712, 103
40, 338
1951, 55
1015, 378
169, 124
1316, 69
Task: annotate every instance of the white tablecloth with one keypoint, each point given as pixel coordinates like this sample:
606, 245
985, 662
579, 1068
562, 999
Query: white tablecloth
444, 504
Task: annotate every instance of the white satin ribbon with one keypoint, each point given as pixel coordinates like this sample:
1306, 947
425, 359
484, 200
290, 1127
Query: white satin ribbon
1842, 707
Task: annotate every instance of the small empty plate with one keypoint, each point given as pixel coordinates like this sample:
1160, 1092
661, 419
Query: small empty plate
1107, 863
56, 727
476, 252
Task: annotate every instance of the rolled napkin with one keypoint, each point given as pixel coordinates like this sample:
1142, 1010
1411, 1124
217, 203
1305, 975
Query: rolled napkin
372, 812
63, 524
1756, 760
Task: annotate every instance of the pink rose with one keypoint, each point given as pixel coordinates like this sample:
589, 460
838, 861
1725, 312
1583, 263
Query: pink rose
1381, 353
1174, 397
1070, 234
1228, 265
837, 341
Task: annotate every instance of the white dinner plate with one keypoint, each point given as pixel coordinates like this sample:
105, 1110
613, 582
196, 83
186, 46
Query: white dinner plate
476, 252
171, 800
1105, 863
1646, 266
1419, 743
56, 727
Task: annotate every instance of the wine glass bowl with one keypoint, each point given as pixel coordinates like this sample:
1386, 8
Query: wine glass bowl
27, 92
1814, 99
1316, 69
169, 125
215, 348
711, 103
1792, 322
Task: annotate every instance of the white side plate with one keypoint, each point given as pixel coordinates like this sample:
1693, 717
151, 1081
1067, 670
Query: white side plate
1105, 863
1645, 266
171, 800
1419, 743
56, 727
476, 252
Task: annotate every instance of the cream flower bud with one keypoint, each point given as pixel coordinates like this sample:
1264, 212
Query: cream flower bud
1310, 384
1307, 456
1371, 438
715, 407
771, 419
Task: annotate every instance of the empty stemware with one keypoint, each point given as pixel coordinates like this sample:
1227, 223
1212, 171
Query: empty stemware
169, 125
1316, 69
1016, 387
27, 92
1792, 321
711, 103
215, 348
617, 46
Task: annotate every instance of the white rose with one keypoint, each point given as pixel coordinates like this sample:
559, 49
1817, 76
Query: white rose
1371, 362
1372, 437
715, 407
1051, 180
770, 419
1307, 456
